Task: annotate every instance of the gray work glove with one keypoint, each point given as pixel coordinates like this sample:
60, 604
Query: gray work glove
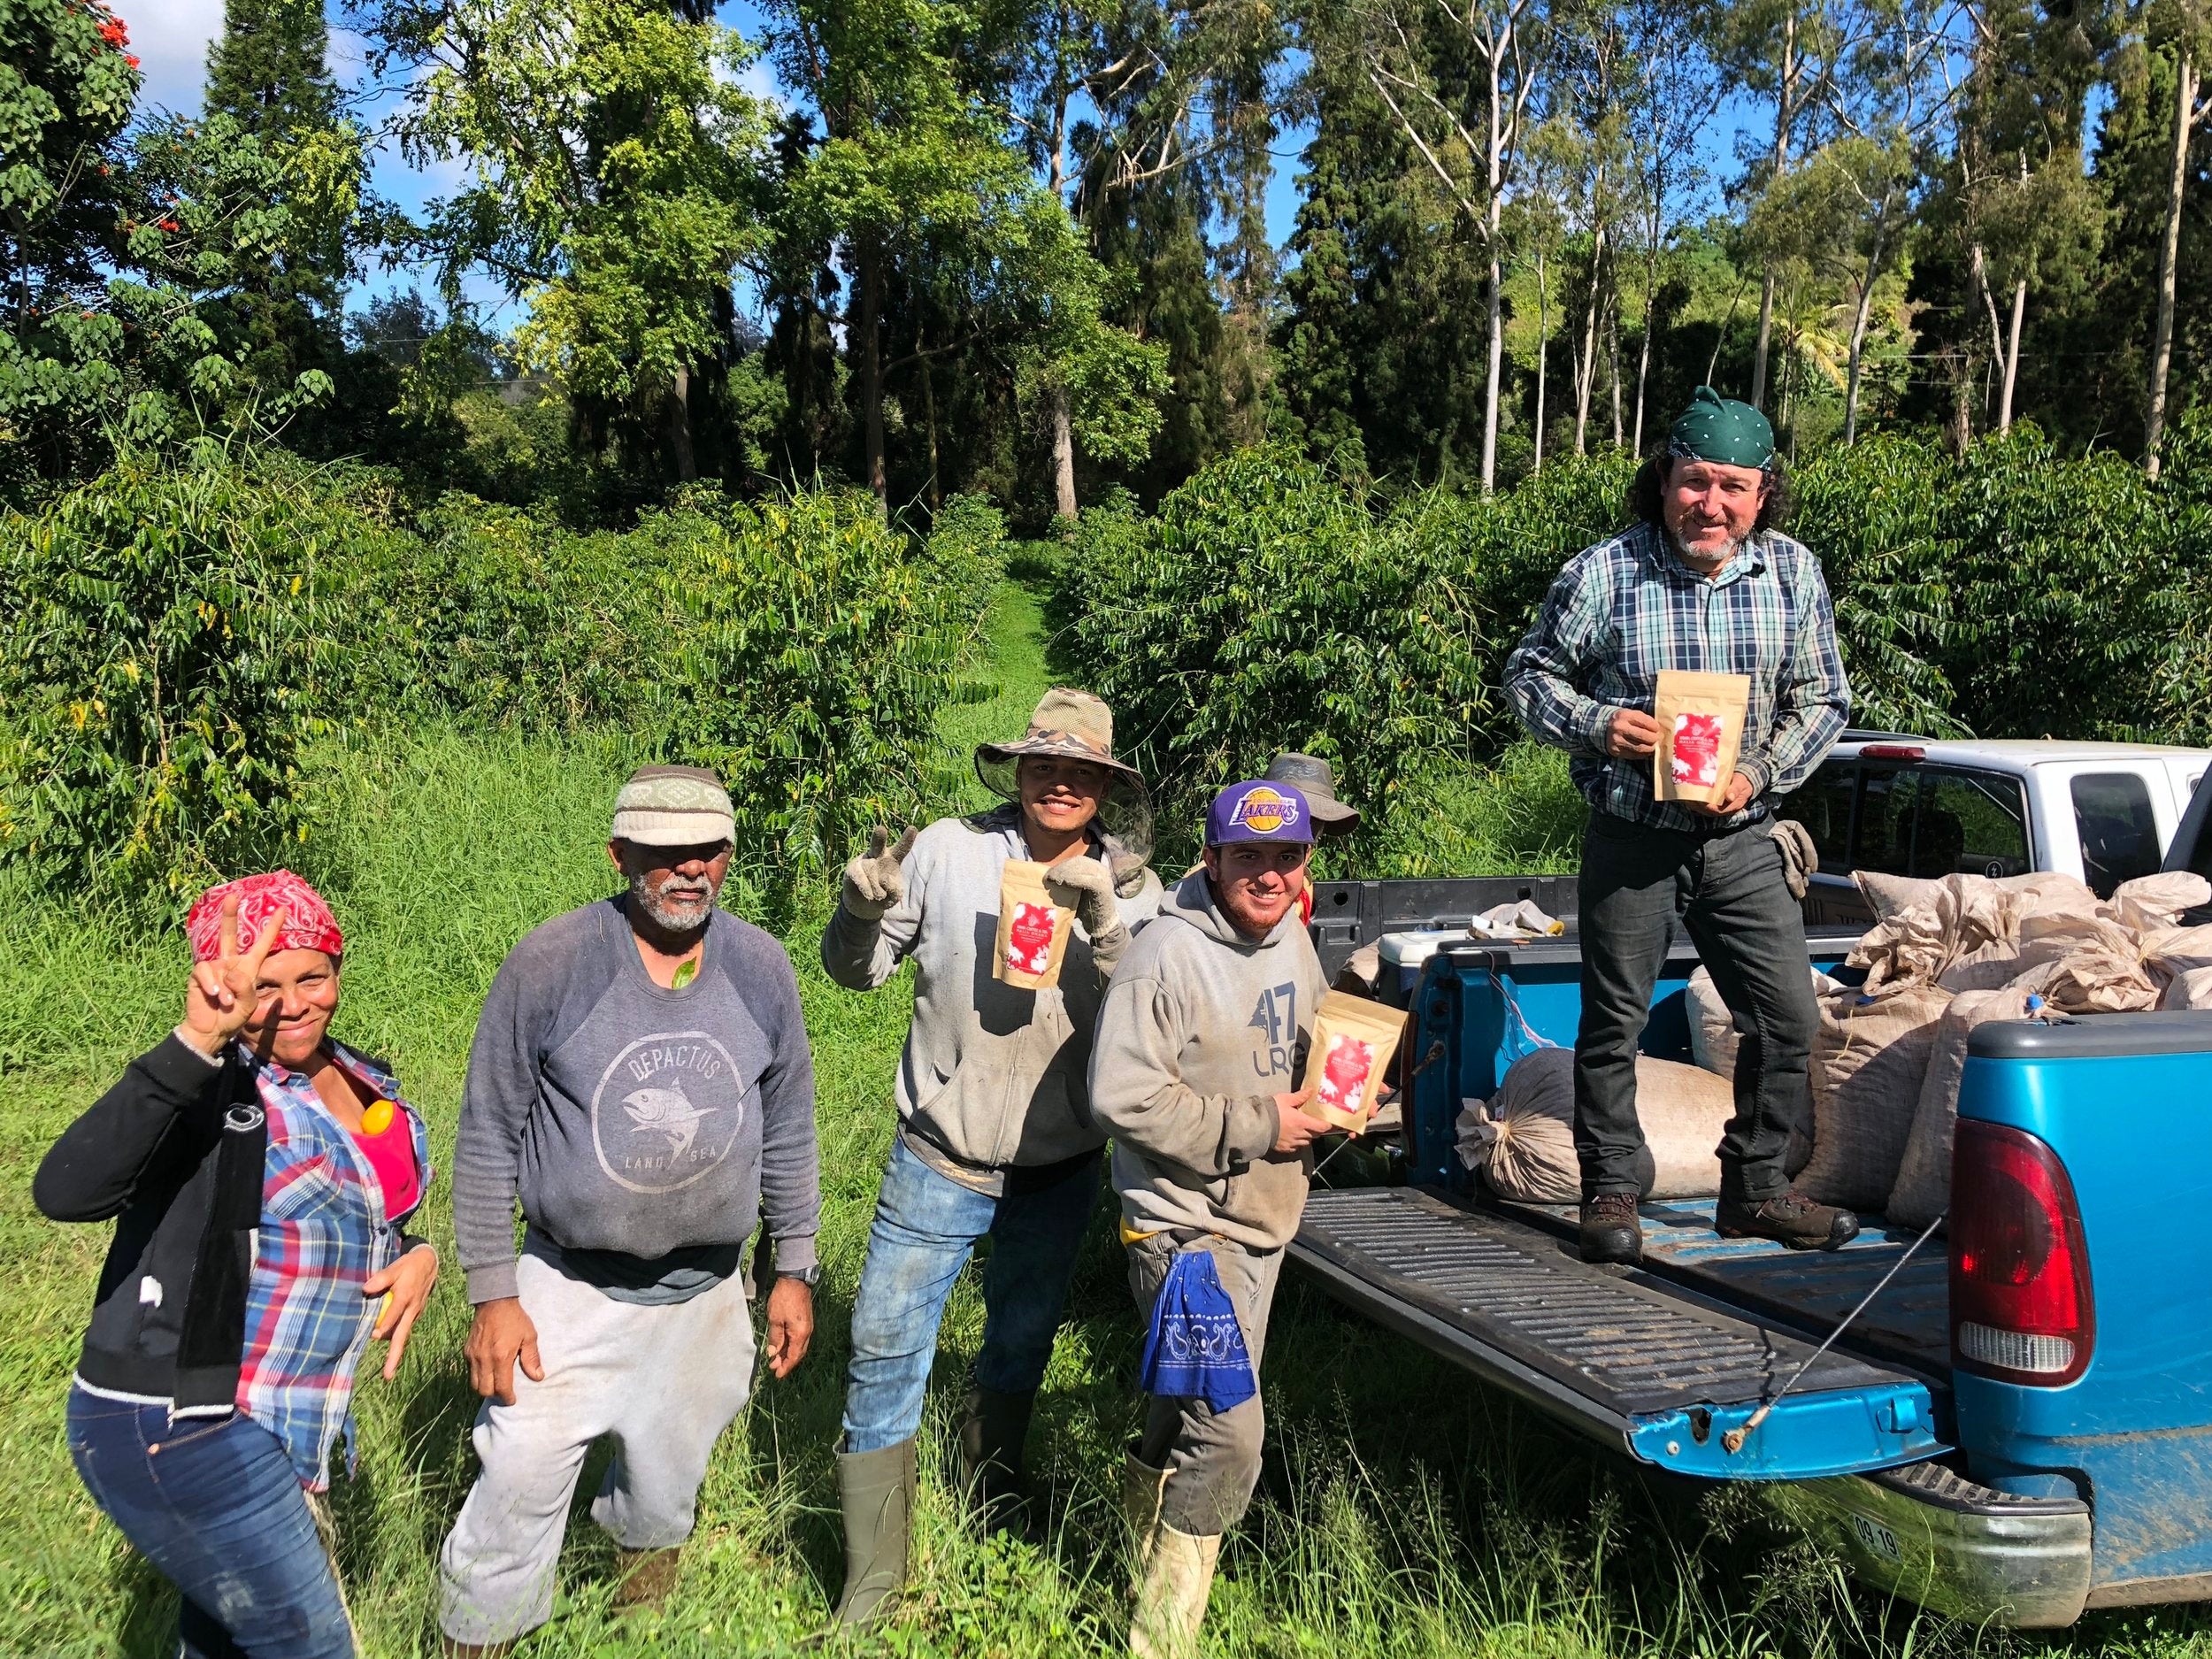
1800, 858
1129, 869
874, 882
1086, 887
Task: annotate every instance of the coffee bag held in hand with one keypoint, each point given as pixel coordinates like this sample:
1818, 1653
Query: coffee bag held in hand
1701, 733
1032, 931
1353, 1040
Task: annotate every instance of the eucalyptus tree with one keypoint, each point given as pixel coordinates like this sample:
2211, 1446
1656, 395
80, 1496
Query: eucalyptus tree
1461, 78
2184, 28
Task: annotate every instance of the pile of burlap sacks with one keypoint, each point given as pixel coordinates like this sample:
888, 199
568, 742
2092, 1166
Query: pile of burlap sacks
1942, 957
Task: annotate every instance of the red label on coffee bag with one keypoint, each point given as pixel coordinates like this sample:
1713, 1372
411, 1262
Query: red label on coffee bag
1029, 939
1697, 750
1344, 1071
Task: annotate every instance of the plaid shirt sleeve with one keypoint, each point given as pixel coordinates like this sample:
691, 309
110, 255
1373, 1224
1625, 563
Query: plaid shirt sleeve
1812, 693
1561, 649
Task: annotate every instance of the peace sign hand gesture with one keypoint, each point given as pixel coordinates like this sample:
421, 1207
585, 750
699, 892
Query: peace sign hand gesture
221, 998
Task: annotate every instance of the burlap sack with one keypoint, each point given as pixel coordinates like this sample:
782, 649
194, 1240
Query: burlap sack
1713, 1038
2190, 988
1869, 1063
1923, 1189
2149, 903
1947, 921
1523, 1142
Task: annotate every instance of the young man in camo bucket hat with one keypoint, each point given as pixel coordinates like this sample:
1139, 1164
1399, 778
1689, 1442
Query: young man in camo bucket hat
995, 1134
1705, 581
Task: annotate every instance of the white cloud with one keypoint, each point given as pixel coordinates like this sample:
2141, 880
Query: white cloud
170, 38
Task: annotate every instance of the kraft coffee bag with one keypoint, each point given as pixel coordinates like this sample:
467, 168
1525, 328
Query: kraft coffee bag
1032, 931
1701, 733
1349, 1059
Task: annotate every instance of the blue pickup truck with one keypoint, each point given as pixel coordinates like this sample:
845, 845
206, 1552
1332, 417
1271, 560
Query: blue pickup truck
2017, 1428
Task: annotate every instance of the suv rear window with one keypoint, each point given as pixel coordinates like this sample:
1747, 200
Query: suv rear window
1824, 807
2119, 832
1930, 822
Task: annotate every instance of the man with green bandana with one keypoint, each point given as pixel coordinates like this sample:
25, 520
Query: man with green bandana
1706, 582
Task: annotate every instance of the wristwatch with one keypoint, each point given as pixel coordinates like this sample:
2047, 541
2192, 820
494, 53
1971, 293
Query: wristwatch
808, 1276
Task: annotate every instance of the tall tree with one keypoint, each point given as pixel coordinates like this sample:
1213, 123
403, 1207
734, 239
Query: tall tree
1460, 80
268, 71
2187, 26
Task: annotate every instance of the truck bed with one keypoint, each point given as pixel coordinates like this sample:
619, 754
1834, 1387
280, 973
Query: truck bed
1660, 1362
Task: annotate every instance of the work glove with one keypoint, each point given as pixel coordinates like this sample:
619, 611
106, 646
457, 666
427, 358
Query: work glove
874, 881
1129, 869
1800, 858
1086, 887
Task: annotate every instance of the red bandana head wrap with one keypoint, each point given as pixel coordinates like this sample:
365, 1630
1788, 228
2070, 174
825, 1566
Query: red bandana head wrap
308, 923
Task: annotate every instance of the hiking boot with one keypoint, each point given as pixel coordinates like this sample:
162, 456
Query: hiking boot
1611, 1229
644, 1578
1788, 1217
992, 1430
875, 1490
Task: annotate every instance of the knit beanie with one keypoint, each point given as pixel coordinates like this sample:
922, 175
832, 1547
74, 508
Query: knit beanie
673, 806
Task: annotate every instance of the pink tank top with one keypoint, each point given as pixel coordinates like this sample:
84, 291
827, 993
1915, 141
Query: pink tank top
392, 1155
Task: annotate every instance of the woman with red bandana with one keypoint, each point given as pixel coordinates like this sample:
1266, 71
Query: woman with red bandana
259, 1173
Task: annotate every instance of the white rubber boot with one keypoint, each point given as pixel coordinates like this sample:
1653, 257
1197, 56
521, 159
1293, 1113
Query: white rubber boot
1174, 1572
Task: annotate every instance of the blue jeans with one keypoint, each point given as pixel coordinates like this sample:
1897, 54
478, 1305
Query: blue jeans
216, 1505
926, 1227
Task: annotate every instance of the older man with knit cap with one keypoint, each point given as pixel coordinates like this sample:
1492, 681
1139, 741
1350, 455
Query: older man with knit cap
1705, 581
641, 1081
997, 1137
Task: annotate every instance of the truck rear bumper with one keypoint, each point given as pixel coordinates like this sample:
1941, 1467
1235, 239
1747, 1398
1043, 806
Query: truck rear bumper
1936, 1538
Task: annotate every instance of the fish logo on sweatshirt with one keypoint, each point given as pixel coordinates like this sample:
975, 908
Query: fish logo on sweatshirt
668, 1111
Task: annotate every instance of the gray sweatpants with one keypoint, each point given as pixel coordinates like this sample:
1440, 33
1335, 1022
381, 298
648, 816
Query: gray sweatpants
665, 1381
1213, 1457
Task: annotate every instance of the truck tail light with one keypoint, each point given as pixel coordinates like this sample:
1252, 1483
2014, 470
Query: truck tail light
2020, 1300
1891, 751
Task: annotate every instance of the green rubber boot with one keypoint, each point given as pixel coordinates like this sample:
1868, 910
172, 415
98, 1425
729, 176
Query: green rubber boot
875, 1490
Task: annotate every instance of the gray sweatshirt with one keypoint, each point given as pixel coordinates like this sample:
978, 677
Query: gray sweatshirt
1202, 1029
992, 1076
642, 1128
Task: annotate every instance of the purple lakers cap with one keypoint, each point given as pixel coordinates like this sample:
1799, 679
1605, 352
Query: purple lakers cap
1258, 810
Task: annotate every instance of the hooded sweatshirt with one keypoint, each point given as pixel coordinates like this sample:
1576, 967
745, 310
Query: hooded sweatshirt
992, 1076
1202, 1029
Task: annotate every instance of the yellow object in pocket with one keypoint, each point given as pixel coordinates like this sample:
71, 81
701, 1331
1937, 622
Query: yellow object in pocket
377, 1118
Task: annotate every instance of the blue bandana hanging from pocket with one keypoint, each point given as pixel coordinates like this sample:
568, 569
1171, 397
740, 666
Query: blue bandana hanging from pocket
1196, 1347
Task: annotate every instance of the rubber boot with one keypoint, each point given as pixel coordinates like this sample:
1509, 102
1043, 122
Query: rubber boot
1174, 1571
994, 1428
875, 1490
644, 1578
449, 1649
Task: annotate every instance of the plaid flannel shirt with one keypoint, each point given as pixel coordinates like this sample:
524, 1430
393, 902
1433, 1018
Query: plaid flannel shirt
322, 1234
1623, 610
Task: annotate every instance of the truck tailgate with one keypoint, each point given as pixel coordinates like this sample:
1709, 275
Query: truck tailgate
1640, 1363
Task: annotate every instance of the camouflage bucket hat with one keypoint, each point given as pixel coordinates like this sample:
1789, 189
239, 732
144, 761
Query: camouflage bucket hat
1075, 726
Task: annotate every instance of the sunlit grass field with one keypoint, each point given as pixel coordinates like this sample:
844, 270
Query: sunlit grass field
1402, 1511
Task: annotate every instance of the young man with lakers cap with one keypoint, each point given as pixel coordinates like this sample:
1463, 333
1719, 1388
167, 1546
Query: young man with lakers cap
1194, 1072
1705, 581
995, 1134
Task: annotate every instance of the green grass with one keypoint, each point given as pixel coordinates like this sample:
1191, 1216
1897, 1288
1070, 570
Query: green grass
1403, 1511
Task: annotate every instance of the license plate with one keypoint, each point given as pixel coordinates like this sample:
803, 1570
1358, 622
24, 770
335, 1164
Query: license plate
1878, 1539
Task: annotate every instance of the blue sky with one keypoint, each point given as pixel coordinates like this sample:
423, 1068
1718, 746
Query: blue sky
170, 37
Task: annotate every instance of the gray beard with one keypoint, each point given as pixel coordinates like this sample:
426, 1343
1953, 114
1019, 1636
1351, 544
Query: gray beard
674, 918
1703, 561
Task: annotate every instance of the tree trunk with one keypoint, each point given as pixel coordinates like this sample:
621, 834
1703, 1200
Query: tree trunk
871, 372
1496, 365
1586, 373
1643, 356
929, 410
1859, 323
1786, 92
1543, 354
2012, 355
679, 410
1613, 361
1063, 456
2168, 252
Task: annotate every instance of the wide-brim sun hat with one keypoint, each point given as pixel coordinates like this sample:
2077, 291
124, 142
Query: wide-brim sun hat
1070, 724
1310, 776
